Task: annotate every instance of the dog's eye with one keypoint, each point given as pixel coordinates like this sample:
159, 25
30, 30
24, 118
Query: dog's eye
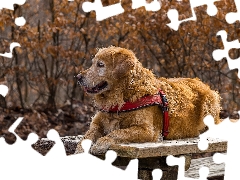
100, 64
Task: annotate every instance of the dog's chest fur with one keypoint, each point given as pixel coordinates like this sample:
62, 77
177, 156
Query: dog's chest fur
110, 124
115, 121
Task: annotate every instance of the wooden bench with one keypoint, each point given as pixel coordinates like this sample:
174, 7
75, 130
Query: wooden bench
153, 155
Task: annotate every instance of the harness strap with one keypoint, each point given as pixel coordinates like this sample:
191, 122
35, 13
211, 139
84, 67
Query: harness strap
157, 99
164, 107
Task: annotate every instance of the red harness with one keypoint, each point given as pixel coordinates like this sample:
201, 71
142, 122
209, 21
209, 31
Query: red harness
157, 99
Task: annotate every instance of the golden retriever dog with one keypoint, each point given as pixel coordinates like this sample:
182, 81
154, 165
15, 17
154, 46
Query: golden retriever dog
116, 77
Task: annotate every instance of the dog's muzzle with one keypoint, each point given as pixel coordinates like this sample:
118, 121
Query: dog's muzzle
79, 79
93, 90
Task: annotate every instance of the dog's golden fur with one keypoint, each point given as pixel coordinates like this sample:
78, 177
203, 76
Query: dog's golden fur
190, 101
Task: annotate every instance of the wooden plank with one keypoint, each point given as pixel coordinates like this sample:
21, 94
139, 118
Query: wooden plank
165, 148
196, 164
143, 150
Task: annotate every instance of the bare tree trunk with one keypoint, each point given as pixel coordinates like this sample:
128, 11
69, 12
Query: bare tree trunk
3, 103
15, 56
51, 103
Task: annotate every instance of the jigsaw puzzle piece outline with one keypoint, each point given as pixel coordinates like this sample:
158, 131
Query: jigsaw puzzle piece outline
106, 165
58, 148
12, 46
232, 17
101, 11
229, 131
13, 157
219, 54
155, 5
32, 137
173, 13
216, 132
157, 174
219, 158
20, 21
9, 4
180, 162
84, 164
3, 92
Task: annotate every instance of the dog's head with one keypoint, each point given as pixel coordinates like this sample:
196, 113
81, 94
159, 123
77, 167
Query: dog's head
109, 66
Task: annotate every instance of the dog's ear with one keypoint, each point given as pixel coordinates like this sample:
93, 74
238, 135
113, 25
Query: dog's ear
122, 69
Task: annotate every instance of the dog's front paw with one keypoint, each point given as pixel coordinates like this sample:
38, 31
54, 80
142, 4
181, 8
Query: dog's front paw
79, 148
101, 146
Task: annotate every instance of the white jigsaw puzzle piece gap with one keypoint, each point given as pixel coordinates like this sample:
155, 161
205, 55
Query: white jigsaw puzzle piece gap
110, 156
157, 174
153, 6
220, 54
203, 173
78, 163
8, 4
216, 130
88, 164
31, 139
20, 21
3, 90
219, 158
180, 162
12, 46
86, 145
58, 149
232, 17
174, 16
132, 169
102, 12
15, 125
228, 131
233, 156
14, 156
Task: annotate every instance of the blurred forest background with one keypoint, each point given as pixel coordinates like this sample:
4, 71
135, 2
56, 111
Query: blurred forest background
59, 40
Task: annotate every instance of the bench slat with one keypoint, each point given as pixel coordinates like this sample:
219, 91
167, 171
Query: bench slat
165, 148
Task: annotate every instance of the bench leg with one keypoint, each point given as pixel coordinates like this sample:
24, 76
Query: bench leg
147, 165
170, 174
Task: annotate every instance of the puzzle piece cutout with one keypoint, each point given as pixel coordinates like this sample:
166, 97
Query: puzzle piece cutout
6, 121
102, 12
12, 46
3, 90
224, 53
155, 5
19, 21
229, 131
9, 4
234, 16
157, 174
173, 13
68, 167
116, 9
88, 160
180, 162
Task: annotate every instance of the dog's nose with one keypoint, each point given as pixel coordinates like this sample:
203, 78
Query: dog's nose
79, 77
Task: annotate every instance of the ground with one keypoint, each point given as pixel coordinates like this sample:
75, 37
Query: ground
67, 121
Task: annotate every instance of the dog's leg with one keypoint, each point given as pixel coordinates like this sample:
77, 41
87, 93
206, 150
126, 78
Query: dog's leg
93, 134
211, 105
130, 135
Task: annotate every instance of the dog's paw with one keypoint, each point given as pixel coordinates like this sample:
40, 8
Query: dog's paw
79, 148
101, 146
